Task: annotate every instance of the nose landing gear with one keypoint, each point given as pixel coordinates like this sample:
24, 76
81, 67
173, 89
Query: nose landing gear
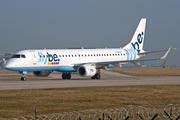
23, 77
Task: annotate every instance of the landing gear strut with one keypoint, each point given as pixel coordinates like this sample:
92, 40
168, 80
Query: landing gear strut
66, 76
23, 78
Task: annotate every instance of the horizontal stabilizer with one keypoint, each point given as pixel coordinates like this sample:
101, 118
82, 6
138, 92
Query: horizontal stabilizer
145, 53
165, 54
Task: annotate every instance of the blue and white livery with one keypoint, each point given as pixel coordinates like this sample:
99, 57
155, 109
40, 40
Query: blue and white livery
87, 62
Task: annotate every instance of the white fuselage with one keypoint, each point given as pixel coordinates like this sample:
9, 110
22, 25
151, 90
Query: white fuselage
64, 59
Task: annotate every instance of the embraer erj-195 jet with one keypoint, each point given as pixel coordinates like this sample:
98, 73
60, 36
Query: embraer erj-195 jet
87, 62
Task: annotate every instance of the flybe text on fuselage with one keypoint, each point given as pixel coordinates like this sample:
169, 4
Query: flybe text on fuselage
51, 59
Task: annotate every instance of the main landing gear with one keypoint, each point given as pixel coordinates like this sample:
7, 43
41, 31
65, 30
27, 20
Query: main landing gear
66, 76
96, 76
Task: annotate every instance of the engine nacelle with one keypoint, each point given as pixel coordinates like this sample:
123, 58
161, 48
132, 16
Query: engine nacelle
42, 73
86, 71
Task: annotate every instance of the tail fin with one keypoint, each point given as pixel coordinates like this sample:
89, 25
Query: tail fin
137, 40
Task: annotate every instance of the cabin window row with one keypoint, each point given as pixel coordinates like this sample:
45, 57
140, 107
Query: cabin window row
88, 55
91, 55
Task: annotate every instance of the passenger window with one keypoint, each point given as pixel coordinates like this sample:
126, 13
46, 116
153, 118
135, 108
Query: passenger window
62, 55
69, 56
75, 55
72, 55
109, 54
104, 54
115, 54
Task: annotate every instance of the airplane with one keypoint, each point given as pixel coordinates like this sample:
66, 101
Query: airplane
86, 62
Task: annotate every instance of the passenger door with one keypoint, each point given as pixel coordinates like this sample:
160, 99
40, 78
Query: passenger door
34, 57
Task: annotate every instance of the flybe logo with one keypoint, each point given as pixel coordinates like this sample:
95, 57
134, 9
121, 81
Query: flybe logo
90, 70
50, 59
138, 42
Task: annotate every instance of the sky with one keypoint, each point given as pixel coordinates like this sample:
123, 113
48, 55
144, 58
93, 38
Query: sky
59, 24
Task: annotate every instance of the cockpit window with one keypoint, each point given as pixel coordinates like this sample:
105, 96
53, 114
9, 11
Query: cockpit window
18, 56
23, 56
15, 56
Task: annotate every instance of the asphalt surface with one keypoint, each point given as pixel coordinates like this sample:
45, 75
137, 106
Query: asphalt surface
108, 78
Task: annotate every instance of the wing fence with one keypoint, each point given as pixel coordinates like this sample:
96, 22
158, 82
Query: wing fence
131, 112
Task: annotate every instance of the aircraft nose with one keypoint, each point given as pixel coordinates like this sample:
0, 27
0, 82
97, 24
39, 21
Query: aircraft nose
9, 65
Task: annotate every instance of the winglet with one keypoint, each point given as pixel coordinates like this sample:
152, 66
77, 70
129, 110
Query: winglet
165, 54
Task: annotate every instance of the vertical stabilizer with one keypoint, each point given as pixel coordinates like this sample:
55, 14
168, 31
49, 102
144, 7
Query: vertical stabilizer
137, 40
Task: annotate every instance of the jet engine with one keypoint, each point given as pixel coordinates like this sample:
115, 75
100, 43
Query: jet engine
86, 71
42, 73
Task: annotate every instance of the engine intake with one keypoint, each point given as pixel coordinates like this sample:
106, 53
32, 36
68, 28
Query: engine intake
86, 71
42, 73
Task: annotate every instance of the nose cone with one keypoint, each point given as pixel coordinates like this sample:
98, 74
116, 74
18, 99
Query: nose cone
9, 65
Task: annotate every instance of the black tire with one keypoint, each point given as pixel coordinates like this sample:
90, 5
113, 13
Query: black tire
23, 78
63, 76
98, 76
68, 76
93, 77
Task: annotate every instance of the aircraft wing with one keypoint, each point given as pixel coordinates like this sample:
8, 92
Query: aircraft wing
123, 61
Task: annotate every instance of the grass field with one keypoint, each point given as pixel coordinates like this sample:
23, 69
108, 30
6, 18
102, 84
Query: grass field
23, 102
4, 71
154, 71
14, 75
17, 77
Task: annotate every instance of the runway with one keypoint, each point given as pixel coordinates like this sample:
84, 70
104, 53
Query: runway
108, 78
